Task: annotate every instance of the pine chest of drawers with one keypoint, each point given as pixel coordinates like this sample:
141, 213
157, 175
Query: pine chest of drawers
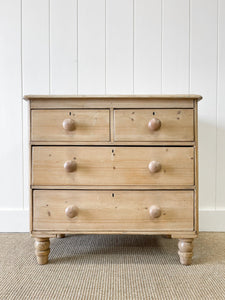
114, 164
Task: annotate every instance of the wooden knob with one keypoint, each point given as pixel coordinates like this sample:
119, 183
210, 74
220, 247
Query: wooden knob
71, 211
154, 124
69, 124
154, 166
154, 211
70, 166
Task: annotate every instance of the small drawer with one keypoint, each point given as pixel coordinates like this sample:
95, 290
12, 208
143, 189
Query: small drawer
143, 125
80, 125
112, 166
69, 210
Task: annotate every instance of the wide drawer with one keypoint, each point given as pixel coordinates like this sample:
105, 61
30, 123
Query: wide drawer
81, 125
112, 210
109, 166
153, 125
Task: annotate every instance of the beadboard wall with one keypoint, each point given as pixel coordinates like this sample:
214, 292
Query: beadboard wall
111, 47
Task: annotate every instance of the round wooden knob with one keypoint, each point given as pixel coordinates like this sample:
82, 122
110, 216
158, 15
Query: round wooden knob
71, 211
154, 124
155, 211
154, 166
70, 166
69, 124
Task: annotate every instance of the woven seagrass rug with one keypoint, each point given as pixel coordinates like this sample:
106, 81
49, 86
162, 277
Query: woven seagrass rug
112, 267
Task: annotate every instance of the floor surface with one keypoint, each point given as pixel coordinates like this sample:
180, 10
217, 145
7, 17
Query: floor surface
112, 267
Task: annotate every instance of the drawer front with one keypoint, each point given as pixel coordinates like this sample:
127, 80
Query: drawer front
70, 125
108, 166
112, 210
153, 125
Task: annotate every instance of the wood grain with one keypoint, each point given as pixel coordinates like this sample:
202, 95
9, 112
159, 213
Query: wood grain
42, 250
112, 143
110, 103
132, 125
113, 166
185, 247
113, 210
160, 97
196, 201
90, 125
152, 169
174, 234
117, 187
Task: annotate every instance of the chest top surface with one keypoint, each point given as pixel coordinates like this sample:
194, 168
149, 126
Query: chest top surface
80, 97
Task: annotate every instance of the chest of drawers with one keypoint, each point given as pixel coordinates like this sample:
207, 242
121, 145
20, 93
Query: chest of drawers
114, 164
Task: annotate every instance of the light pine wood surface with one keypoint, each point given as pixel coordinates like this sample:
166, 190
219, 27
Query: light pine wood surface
113, 210
85, 125
133, 125
42, 250
112, 166
110, 102
115, 97
185, 247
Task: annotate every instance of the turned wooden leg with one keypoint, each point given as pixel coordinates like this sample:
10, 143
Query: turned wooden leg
60, 236
185, 251
42, 250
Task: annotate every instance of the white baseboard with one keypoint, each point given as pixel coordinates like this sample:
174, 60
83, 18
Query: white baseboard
14, 220
18, 220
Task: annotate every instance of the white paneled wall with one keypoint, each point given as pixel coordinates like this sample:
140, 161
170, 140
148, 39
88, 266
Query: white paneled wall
111, 47
147, 48
11, 154
175, 46
119, 46
91, 46
203, 64
220, 110
63, 46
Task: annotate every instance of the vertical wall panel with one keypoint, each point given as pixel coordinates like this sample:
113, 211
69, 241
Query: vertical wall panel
220, 176
91, 46
11, 170
116, 49
63, 46
35, 49
204, 81
147, 47
119, 46
175, 46
35, 66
